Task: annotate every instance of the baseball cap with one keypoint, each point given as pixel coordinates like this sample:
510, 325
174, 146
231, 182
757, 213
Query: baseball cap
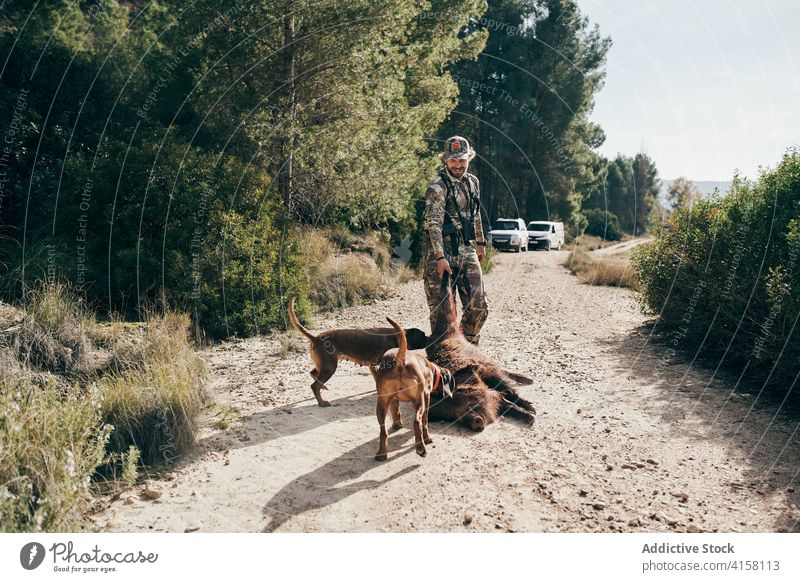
457, 147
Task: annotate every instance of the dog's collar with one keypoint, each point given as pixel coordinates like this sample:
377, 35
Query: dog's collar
437, 381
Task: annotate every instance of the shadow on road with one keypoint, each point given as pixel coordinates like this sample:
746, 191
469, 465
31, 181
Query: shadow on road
762, 428
321, 487
296, 418
303, 416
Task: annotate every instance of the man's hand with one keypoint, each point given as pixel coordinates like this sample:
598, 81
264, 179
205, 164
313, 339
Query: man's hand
481, 252
443, 265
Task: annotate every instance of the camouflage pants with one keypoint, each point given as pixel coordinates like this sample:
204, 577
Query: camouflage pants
469, 281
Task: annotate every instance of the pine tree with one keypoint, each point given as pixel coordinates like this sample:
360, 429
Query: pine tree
682, 193
525, 104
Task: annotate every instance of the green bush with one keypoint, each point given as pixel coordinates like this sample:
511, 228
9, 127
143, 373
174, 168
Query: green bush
576, 227
603, 224
724, 275
51, 441
129, 207
157, 181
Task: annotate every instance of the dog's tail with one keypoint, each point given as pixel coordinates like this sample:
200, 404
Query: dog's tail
296, 322
402, 343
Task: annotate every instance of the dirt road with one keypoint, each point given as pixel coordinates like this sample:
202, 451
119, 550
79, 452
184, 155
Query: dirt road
627, 438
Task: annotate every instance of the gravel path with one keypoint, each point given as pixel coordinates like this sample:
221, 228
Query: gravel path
627, 438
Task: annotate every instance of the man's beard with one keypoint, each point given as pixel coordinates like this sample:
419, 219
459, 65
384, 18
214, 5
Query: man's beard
457, 172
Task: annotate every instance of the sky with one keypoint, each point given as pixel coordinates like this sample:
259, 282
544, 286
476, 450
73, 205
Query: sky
704, 88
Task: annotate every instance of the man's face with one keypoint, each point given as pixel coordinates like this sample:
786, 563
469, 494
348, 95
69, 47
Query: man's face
457, 167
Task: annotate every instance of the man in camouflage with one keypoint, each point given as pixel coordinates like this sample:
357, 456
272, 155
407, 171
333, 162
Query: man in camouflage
454, 241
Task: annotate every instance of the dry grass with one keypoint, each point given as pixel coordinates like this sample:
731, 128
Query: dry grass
225, 417
52, 335
343, 270
400, 273
155, 394
346, 280
78, 397
9, 316
589, 242
609, 270
376, 244
487, 264
291, 342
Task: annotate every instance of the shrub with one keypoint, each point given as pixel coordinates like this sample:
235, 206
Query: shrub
344, 280
137, 400
576, 227
724, 275
487, 264
603, 224
291, 342
52, 335
342, 269
155, 396
51, 441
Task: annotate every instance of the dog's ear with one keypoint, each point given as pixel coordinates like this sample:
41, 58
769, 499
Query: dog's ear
416, 338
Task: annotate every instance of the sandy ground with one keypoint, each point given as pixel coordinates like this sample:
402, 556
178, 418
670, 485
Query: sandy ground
627, 438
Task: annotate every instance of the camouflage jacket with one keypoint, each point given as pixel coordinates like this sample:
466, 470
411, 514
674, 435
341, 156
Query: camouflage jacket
437, 206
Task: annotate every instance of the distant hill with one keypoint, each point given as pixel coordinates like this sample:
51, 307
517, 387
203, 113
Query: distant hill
706, 187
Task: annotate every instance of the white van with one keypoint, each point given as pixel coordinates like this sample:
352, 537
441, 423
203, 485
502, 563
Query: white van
545, 235
509, 233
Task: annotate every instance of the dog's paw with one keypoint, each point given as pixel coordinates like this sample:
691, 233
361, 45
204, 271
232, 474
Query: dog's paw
397, 425
324, 403
428, 440
421, 451
380, 457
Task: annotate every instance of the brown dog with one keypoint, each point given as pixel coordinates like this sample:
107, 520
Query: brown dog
484, 389
362, 346
406, 377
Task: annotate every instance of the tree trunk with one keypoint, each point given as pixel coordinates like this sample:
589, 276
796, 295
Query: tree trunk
286, 177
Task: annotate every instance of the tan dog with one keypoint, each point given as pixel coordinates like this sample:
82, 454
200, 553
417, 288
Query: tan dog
406, 377
362, 346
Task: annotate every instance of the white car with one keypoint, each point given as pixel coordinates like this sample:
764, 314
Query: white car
545, 235
509, 233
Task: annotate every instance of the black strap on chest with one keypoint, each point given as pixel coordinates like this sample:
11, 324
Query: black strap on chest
467, 230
